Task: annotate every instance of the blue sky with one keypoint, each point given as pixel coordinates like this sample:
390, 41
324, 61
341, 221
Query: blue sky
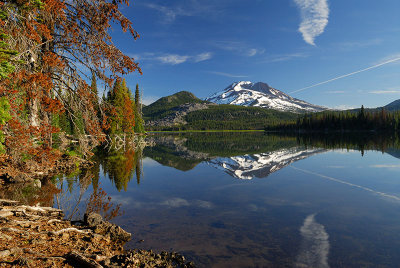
203, 46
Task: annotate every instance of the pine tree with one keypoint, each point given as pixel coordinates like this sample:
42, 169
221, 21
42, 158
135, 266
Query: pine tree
139, 128
123, 116
93, 88
4, 117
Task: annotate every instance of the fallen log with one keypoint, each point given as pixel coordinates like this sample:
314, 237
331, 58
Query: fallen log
82, 260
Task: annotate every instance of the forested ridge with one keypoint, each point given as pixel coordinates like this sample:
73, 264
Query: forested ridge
341, 121
53, 56
165, 105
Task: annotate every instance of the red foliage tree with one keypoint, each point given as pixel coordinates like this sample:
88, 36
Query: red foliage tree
58, 44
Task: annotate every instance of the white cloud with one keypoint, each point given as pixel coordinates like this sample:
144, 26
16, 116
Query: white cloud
229, 75
252, 52
343, 107
203, 204
173, 59
239, 47
285, 57
385, 92
175, 202
178, 202
146, 100
315, 246
385, 166
349, 45
203, 56
314, 18
185, 8
336, 92
336, 167
170, 14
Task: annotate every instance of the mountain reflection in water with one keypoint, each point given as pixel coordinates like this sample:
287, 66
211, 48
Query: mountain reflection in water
180, 195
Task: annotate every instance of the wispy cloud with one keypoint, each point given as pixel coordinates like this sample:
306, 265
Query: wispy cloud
343, 107
229, 75
314, 18
169, 14
185, 8
253, 52
385, 166
285, 57
173, 59
175, 202
315, 246
239, 47
349, 45
336, 92
178, 202
336, 167
385, 92
146, 100
203, 57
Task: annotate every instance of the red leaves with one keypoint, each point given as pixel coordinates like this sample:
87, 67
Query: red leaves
52, 60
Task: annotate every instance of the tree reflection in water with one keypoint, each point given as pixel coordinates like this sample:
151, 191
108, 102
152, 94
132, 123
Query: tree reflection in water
80, 191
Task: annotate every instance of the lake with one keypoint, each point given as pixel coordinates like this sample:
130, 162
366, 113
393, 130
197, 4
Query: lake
252, 199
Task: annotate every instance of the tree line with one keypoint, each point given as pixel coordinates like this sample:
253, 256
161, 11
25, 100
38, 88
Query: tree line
361, 120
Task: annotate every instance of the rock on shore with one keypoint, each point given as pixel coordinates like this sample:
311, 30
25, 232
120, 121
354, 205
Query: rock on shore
32, 236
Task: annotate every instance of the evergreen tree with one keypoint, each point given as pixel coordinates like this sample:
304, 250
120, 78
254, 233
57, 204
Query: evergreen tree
93, 88
122, 116
93, 85
139, 124
4, 117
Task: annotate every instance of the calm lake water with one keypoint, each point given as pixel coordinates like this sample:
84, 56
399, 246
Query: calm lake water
254, 200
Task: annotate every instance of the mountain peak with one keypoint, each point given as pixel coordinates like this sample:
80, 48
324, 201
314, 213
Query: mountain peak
247, 93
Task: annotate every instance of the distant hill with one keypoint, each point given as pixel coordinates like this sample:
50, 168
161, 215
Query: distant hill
160, 108
393, 106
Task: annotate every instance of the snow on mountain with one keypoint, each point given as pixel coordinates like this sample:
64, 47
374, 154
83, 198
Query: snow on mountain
260, 94
247, 167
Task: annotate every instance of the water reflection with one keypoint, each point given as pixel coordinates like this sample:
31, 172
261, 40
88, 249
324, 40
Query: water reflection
314, 247
121, 166
328, 199
256, 155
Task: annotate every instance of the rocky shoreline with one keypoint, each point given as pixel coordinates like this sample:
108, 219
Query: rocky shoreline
33, 236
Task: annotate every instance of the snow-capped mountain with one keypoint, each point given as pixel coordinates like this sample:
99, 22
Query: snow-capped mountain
260, 94
247, 167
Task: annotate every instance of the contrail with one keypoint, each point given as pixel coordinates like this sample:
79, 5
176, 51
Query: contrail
349, 184
346, 75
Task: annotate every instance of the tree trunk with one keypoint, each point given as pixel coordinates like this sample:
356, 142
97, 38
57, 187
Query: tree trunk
34, 118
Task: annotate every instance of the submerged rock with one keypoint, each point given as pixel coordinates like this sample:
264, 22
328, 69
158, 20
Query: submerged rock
100, 226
